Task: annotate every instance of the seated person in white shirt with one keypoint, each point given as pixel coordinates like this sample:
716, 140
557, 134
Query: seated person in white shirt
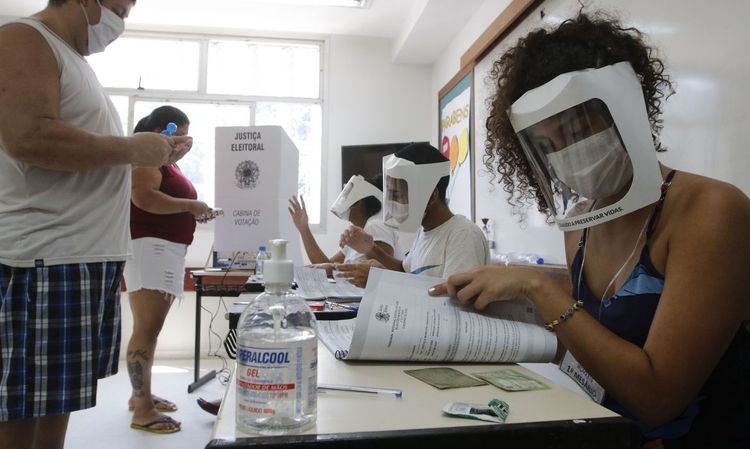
416, 181
360, 204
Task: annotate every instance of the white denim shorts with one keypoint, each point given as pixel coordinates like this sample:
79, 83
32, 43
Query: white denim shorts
157, 265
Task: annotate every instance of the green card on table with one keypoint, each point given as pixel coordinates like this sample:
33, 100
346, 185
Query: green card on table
444, 378
511, 380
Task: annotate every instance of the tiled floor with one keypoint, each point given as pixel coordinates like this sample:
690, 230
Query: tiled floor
108, 424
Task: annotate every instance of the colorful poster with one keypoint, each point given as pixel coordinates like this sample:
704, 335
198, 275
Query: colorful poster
455, 141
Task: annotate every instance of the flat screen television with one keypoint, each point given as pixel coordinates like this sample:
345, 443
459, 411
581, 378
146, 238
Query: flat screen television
366, 160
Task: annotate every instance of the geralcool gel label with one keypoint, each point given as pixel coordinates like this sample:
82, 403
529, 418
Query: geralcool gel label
274, 381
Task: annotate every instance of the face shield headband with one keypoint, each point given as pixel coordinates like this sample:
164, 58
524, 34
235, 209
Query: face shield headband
407, 190
356, 189
587, 137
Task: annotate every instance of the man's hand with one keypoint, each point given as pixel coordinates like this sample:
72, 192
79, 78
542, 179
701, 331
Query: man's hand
151, 149
156, 150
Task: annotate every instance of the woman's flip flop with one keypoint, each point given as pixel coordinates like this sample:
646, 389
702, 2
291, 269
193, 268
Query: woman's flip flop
148, 427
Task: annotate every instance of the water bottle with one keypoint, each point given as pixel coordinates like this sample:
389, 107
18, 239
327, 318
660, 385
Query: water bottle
532, 259
514, 258
277, 356
488, 233
501, 258
260, 259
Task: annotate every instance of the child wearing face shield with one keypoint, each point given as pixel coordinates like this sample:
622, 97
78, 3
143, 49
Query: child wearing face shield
574, 124
415, 200
358, 203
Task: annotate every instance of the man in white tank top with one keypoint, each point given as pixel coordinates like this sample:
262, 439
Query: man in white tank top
64, 206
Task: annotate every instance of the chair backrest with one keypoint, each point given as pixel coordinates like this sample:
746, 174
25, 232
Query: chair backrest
230, 344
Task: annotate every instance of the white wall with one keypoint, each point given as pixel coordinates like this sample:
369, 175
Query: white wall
369, 100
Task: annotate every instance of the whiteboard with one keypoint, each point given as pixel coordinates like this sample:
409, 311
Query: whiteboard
706, 123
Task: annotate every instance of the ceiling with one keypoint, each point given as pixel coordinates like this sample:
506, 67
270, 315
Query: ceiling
419, 29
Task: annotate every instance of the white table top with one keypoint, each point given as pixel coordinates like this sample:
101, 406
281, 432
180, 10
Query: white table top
421, 404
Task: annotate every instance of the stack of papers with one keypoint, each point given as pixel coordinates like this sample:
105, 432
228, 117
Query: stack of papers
399, 321
314, 285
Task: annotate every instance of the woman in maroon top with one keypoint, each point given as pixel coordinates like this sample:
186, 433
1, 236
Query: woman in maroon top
163, 212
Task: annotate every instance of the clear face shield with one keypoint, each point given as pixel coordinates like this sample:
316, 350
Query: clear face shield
356, 189
588, 140
407, 191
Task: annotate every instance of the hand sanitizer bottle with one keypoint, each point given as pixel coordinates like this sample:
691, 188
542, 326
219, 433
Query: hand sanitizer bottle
277, 355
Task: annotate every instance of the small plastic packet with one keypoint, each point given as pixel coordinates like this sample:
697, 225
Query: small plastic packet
496, 411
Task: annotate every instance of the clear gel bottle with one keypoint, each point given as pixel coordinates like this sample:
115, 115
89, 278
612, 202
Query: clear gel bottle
277, 355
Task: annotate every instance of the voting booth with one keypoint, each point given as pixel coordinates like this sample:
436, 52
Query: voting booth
256, 175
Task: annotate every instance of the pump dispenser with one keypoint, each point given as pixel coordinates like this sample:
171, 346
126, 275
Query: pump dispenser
277, 355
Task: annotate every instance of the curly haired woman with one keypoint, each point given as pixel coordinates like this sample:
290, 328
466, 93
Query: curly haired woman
660, 303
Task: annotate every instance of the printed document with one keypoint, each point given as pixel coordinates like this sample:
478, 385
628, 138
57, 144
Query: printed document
399, 321
313, 284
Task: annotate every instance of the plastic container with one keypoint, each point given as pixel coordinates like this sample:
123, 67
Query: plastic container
530, 258
509, 258
260, 260
277, 356
170, 129
488, 233
501, 258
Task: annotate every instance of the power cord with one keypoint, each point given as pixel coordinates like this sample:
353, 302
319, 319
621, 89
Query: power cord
225, 372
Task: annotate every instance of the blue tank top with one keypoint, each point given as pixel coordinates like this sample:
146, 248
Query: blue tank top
720, 415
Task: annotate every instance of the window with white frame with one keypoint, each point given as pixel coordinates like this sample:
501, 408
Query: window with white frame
223, 82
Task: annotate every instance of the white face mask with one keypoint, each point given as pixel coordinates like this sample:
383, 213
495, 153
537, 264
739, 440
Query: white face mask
595, 167
109, 28
345, 214
396, 211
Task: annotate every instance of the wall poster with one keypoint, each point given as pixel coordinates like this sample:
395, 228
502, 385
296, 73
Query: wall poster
455, 140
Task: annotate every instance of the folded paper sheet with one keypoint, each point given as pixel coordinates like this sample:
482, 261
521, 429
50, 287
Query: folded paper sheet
399, 321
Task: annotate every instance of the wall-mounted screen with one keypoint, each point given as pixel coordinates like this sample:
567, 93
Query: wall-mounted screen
366, 160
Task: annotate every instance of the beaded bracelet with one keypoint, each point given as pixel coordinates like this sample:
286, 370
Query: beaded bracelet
551, 325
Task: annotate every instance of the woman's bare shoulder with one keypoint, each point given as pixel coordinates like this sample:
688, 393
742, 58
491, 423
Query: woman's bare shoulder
699, 208
692, 194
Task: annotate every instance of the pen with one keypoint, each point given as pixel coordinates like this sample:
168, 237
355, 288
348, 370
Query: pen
335, 305
327, 388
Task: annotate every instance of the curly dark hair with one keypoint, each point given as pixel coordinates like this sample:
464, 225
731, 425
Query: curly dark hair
587, 41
